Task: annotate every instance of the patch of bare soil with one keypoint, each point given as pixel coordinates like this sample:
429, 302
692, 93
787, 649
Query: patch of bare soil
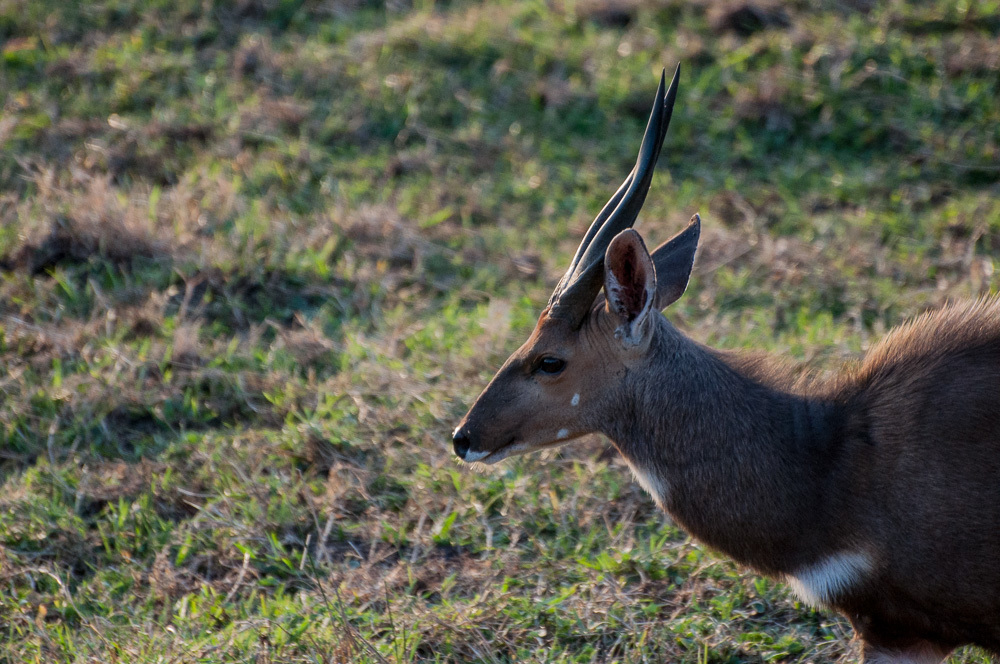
747, 18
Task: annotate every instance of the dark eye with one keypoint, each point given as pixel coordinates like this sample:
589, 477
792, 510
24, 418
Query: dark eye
551, 365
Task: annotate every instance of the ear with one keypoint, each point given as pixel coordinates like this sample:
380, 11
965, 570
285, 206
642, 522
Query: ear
673, 260
629, 284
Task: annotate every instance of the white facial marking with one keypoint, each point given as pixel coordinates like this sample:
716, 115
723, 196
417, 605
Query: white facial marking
563, 433
824, 581
575, 401
653, 485
471, 457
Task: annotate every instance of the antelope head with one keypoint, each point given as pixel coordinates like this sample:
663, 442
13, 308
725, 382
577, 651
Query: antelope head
559, 384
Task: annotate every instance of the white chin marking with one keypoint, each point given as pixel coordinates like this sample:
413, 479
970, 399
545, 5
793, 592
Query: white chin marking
824, 581
575, 401
472, 457
563, 433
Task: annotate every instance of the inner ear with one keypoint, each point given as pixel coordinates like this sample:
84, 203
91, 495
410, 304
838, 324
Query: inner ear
629, 282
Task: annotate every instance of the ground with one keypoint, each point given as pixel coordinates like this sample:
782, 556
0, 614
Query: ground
258, 257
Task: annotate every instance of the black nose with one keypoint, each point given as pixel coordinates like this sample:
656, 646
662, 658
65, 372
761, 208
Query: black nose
461, 442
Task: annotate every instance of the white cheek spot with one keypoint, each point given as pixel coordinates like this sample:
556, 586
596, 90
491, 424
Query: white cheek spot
575, 401
824, 581
472, 457
563, 433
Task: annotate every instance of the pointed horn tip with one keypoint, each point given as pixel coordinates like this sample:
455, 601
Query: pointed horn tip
677, 72
673, 79
695, 220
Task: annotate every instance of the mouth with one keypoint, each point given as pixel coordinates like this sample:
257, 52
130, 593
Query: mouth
511, 448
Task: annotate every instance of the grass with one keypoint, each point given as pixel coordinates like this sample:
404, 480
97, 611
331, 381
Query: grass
259, 256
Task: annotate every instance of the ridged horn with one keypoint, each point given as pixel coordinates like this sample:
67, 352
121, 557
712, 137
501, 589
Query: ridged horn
582, 281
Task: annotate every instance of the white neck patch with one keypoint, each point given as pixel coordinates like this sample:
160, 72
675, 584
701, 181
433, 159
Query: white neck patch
653, 485
822, 582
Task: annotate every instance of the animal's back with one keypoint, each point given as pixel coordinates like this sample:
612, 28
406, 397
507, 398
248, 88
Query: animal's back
923, 430
960, 329
932, 384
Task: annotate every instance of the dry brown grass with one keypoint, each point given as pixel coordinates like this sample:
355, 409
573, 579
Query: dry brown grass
86, 221
263, 255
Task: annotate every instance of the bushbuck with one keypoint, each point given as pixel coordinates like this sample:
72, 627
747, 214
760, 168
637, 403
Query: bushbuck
875, 492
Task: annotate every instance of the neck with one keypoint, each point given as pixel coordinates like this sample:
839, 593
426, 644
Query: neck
740, 464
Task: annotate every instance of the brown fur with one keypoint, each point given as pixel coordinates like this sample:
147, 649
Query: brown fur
958, 330
897, 457
918, 426
875, 492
